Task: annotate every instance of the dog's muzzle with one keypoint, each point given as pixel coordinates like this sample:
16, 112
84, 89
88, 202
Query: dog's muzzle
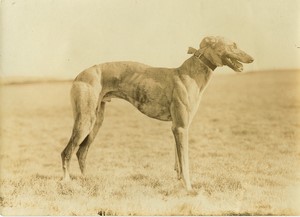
233, 60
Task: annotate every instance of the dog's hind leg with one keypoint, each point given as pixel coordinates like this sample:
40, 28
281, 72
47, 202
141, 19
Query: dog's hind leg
84, 146
84, 102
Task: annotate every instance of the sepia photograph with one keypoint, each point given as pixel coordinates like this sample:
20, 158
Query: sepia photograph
149, 108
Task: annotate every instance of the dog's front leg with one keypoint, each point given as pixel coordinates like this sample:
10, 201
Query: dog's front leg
180, 130
181, 139
176, 168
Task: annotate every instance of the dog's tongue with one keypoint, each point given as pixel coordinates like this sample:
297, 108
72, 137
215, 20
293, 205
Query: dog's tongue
234, 64
238, 65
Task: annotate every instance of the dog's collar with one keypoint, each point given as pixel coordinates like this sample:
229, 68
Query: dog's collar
206, 61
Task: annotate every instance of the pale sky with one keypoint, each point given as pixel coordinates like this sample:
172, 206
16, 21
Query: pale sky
63, 37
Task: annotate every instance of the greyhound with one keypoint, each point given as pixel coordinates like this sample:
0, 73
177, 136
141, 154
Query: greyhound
166, 94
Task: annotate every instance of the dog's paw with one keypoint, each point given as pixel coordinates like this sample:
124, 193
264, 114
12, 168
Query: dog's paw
192, 192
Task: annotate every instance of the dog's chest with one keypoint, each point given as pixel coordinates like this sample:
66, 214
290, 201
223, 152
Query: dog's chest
191, 89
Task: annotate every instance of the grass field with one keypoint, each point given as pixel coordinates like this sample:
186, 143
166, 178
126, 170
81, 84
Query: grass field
244, 153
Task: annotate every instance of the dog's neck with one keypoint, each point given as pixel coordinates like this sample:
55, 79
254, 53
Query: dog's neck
208, 63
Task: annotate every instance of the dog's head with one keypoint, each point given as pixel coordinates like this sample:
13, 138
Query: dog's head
220, 51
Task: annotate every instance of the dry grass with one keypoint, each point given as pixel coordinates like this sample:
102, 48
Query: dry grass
244, 153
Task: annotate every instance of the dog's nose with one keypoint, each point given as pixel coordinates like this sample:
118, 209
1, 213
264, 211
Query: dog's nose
251, 60
248, 59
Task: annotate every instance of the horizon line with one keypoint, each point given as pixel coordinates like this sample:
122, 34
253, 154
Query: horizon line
21, 79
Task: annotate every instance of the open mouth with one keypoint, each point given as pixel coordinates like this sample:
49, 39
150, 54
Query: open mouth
233, 63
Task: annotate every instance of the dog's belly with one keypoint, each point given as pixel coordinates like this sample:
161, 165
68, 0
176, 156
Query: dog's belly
154, 110
148, 89
149, 98
158, 108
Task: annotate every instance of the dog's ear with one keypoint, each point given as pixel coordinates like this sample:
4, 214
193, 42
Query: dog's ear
191, 50
209, 41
